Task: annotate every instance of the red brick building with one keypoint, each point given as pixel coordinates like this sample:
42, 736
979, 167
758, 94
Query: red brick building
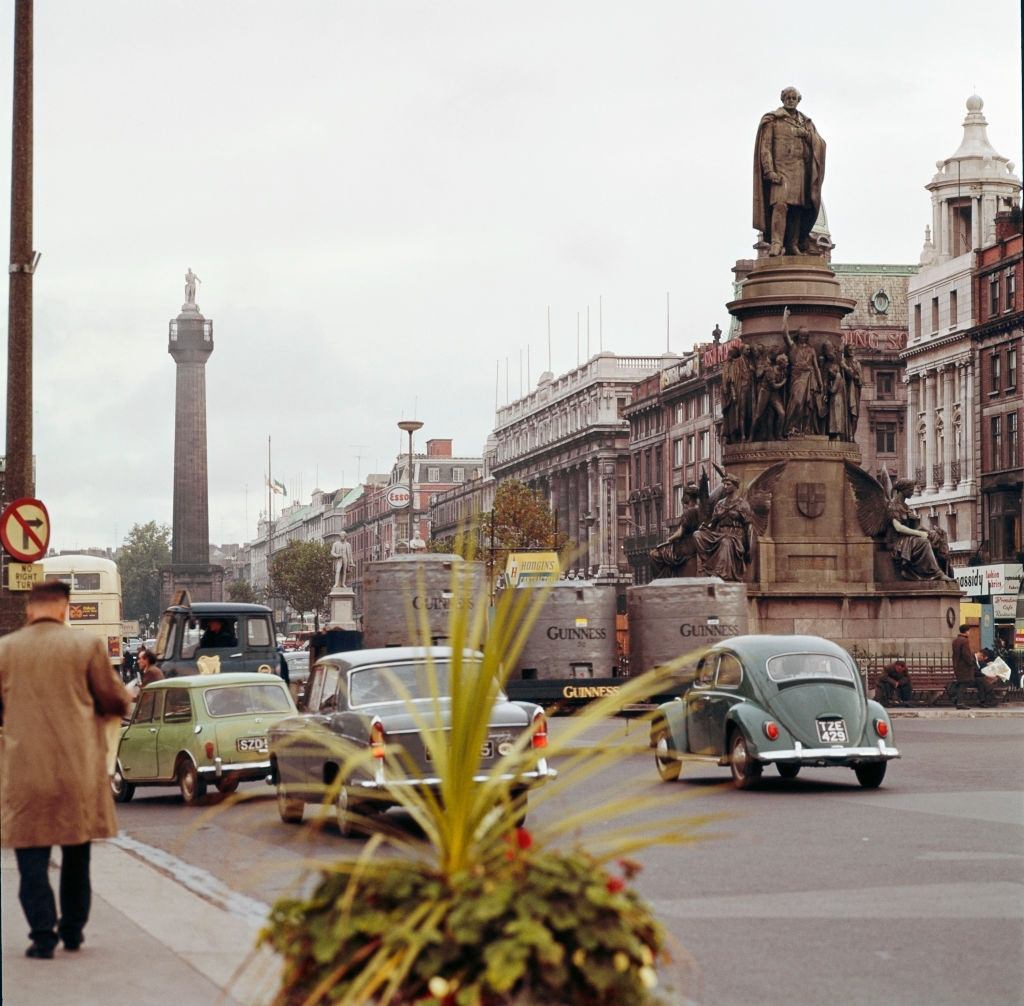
998, 346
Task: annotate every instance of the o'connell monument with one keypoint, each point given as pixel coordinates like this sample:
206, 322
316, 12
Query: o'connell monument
823, 547
190, 343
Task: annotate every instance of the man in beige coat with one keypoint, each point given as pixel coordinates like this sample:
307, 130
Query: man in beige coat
55, 686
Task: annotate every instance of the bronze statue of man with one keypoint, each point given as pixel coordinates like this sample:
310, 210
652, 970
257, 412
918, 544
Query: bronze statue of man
789, 165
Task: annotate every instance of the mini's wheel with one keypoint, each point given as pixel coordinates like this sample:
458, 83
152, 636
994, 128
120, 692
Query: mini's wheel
228, 784
788, 769
669, 767
290, 811
192, 786
745, 769
122, 789
870, 773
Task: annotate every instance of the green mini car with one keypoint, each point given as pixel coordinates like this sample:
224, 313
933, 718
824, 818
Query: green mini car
193, 731
787, 701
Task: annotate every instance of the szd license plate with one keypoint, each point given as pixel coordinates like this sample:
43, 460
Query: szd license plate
832, 731
252, 744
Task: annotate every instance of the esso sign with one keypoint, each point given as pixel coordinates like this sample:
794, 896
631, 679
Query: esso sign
397, 497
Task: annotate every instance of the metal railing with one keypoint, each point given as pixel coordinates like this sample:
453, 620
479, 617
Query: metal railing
938, 474
955, 472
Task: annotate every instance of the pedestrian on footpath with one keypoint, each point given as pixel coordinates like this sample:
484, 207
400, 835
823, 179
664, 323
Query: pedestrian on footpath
56, 688
965, 667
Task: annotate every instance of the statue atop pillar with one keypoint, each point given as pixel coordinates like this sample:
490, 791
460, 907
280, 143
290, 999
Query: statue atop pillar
789, 165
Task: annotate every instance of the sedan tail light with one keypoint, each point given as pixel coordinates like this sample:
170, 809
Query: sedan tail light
881, 728
209, 749
540, 730
771, 730
378, 738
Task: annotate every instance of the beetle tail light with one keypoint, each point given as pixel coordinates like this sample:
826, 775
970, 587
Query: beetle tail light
378, 738
209, 749
771, 730
540, 730
881, 728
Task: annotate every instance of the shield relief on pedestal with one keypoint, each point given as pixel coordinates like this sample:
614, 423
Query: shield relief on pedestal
810, 498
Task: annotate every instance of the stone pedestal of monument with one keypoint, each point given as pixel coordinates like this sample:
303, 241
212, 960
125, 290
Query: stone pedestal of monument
816, 571
341, 600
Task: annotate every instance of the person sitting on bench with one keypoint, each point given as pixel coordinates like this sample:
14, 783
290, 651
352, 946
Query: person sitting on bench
893, 687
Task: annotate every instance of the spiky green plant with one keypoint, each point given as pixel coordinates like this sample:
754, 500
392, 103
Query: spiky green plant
481, 912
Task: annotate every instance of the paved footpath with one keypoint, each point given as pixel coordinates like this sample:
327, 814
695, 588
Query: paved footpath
150, 941
154, 940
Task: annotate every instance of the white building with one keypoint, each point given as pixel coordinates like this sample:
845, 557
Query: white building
967, 190
568, 440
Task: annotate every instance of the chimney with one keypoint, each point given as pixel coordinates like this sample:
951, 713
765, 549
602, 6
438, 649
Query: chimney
1008, 223
439, 448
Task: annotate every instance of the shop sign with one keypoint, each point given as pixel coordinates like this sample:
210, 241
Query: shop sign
997, 578
1004, 607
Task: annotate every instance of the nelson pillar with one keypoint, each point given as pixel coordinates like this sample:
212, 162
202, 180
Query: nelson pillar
190, 343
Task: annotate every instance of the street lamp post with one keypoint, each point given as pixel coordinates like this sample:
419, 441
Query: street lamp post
410, 426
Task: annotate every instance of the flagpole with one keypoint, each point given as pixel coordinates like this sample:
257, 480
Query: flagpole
270, 526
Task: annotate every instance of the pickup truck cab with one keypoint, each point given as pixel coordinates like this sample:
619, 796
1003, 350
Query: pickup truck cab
208, 637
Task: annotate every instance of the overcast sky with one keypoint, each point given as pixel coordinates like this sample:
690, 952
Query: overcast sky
382, 199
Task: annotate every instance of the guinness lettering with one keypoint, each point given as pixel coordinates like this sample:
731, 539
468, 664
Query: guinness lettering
567, 632
439, 603
686, 629
588, 691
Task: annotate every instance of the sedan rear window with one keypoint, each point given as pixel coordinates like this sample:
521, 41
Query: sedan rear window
790, 666
233, 700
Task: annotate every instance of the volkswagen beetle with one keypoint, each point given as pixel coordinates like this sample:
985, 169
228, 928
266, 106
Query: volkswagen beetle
380, 701
788, 701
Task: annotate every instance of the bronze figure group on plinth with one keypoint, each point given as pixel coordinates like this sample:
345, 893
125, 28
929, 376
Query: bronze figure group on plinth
717, 532
772, 393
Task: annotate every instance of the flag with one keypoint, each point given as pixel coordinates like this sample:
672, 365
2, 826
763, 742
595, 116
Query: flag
277, 487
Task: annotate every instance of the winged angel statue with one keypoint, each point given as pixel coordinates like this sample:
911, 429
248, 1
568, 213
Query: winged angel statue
718, 531
882, 510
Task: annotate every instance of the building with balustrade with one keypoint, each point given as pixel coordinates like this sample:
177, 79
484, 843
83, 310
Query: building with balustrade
569, 440
944, 448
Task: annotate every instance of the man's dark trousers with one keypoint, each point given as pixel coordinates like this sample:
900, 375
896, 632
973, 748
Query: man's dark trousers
36, 895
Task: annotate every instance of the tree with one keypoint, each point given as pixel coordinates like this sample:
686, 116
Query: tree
521, 520
244, 592
146, 549
303, 573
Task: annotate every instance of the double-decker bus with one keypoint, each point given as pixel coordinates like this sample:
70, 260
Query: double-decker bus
95, 597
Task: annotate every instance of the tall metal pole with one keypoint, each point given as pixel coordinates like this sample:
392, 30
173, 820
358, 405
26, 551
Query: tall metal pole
410, 426
18, 477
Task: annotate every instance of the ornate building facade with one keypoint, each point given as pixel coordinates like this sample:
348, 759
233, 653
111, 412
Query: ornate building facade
944, 439
569, 440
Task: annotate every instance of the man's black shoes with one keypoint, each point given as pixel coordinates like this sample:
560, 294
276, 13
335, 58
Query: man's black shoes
38, 951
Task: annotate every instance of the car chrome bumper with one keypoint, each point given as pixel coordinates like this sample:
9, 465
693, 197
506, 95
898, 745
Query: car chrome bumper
219, 768
799, 753
538, 776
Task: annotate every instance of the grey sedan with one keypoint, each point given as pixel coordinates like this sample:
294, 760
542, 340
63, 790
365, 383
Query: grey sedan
379, 702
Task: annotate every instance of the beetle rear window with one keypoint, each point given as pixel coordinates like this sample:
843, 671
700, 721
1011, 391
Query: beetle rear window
235, 700
790, 666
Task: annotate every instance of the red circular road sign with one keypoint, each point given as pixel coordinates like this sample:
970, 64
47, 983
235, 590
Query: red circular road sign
25, 529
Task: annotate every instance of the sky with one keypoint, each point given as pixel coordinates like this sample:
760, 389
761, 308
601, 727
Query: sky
383, 201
